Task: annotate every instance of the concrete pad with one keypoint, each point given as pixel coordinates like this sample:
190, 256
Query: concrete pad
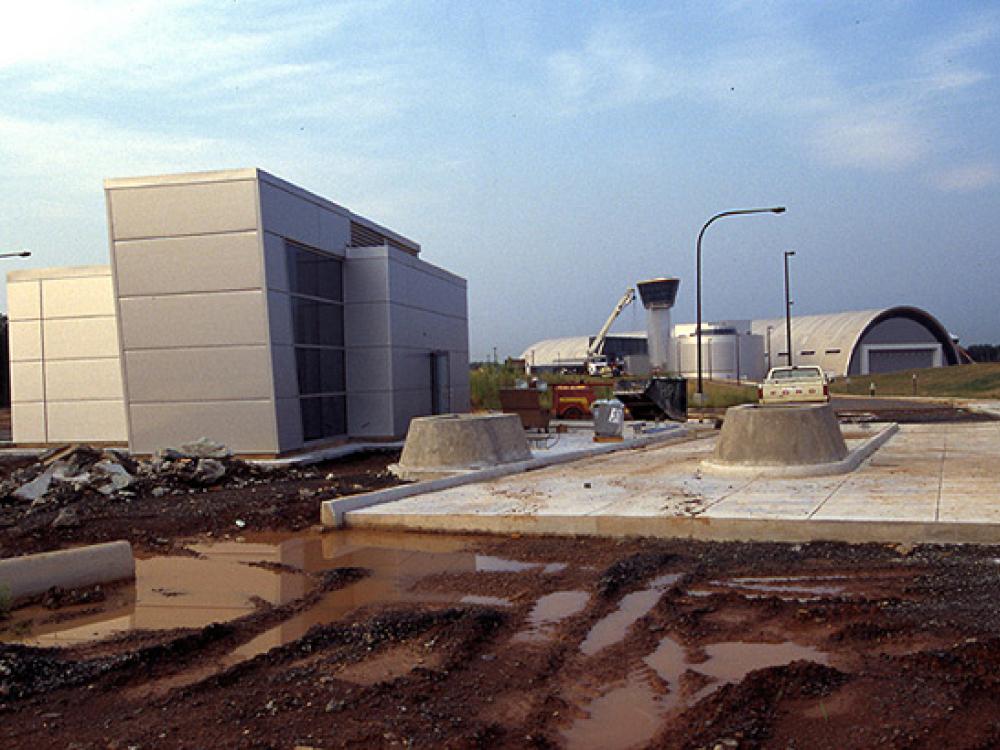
928, 483
71, 568
332, 511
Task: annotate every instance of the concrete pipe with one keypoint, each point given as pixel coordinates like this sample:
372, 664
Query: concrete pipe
67, 569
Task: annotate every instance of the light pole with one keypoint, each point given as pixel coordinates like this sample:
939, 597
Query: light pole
788, 310
769, 329
700, 395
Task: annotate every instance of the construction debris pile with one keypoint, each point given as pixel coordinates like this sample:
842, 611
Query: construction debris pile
63, 477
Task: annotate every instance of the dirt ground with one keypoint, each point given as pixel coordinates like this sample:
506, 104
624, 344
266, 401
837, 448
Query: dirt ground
603, 643
541, 642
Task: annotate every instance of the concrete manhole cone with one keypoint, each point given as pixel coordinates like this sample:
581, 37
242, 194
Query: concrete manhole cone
452, 443
779, 436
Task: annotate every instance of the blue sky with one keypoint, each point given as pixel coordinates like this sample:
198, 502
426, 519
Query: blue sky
552, 153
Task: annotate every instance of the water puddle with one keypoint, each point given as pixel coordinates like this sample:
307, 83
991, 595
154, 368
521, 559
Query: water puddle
550, 610
222, 585
613, 627
786, 588
627, 716
630, 714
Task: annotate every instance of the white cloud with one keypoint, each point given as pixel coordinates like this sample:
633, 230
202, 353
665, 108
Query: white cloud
966, 178
609, 70
869, 141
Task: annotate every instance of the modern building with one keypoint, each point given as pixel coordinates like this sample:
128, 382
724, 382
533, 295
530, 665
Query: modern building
843, 344
238, 307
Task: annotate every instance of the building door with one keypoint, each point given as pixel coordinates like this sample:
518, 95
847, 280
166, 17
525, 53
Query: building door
440, 383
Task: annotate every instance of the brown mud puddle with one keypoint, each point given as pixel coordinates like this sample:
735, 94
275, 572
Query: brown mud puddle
462, 641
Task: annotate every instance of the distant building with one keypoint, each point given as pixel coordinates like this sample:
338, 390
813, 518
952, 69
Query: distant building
848, 343
238, 307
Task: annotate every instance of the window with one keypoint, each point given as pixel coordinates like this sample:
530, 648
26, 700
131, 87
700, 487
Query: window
833, 351
807, 352
316, 286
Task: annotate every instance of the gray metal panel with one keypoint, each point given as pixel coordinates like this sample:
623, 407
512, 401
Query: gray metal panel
289, 423
288, 215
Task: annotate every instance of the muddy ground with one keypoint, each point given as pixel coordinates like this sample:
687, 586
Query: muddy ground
600, 644
246, 499
537, 642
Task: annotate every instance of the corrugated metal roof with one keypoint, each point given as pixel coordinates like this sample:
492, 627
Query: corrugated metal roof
567, 350
831, 337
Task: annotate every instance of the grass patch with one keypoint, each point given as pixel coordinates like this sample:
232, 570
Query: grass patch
720, 394
965, 381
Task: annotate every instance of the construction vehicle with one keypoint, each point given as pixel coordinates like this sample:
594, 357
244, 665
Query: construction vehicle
597, 363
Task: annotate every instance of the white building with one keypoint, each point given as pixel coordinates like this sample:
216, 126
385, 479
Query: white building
239, 307
843, 344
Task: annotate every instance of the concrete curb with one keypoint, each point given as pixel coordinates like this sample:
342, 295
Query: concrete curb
771, 471
71, 568
699, 528
326, 454
332, 511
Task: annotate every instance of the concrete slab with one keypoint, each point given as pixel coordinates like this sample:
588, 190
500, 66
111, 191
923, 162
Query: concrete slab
928, 483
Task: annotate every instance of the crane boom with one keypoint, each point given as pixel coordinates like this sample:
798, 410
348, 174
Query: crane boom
597, 346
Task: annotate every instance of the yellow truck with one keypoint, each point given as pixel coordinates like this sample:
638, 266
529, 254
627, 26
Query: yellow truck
786, 385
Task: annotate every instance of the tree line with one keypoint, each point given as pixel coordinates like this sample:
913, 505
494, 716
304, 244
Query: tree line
984, 352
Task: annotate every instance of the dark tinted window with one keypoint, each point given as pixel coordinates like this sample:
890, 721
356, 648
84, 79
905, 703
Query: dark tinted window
320, 370
323, 416
314, 274
317, 323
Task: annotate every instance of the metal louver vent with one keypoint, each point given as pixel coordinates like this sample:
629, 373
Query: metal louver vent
362, 236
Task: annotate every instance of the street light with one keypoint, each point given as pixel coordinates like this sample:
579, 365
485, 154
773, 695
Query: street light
788, 309
700, 395
769, 329
20, 254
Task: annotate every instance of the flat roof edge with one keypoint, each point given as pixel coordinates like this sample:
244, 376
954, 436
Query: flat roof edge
58, 272
182, 178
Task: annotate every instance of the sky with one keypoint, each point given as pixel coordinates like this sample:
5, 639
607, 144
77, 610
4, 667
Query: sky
551, 153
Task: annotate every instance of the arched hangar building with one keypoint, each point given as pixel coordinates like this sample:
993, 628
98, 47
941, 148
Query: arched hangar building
862, 342
847, 343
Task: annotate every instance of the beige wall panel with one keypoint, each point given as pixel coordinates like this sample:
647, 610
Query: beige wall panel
87, 421
81, 338
171, 210
198, 374
187, 320
25, 340
68, 298
26, 382
83, 379
245, 426
188, 264
24, 300
28, 421
289, 424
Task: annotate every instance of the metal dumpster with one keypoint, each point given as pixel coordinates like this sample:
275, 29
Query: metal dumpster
655, 399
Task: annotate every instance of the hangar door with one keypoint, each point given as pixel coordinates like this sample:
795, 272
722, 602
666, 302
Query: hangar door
893, 359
